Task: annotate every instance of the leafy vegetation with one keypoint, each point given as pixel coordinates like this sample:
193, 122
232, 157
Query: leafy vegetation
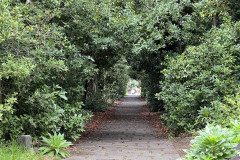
12, 151
61, 60
54, 145
213, 143
49, 78
201, 77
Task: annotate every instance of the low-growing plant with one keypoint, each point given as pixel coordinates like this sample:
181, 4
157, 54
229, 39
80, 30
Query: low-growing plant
205, 115
54, 146
235, 126
213, 143
12, 151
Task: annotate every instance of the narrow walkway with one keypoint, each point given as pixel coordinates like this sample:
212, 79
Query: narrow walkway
127, 137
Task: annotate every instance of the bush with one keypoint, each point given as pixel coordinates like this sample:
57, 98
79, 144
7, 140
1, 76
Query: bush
212, 143
44, 115
33, 66
222, 113
73, 120
150, 86
202, 76
96, 102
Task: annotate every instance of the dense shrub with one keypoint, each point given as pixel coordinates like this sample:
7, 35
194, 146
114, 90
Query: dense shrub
221, 113
150, 87
73, 120
96, 102
202, 76
45, 115
37, 63
51, 55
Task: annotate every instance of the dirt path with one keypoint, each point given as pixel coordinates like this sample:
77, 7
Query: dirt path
127, 137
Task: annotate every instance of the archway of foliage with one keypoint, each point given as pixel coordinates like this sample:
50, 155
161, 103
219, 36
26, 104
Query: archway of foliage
202, 35
60, 60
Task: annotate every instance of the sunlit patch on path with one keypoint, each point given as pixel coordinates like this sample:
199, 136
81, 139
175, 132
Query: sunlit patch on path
127, 136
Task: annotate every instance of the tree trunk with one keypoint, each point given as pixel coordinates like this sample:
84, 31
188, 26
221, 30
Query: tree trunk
85, 92
215, 16
140, 87
215, 20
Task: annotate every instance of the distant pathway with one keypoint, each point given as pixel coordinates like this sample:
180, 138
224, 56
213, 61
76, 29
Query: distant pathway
127, 137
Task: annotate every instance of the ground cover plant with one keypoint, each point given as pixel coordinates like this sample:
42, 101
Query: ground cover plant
54, 146
12, 151
214, 142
